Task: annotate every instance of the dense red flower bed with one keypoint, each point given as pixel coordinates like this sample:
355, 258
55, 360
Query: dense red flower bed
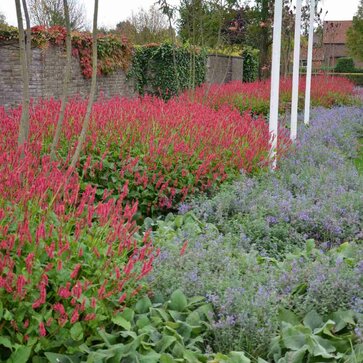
163, 151
326, 91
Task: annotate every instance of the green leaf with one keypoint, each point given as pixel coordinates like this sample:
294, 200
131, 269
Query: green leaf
128, 314
166, 358
326, 328
21, 355
77, 332
313, 320
288, 317
297, 356
120, 321
143, 305
342, 318
320, 347
179, 221
150, 357
178, 301
294, 338
238, 357
164, 343
57, 358
6, 342
193, 318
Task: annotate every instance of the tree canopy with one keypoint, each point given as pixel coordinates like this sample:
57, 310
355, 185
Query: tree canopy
355, 34
51, 12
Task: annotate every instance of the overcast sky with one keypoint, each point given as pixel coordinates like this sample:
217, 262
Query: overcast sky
113, 11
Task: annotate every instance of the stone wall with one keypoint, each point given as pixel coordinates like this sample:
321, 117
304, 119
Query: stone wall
223, 69
46, 76
47, 67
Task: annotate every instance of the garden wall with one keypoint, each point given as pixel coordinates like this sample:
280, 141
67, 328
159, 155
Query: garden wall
223, 69
47, 67
46, 76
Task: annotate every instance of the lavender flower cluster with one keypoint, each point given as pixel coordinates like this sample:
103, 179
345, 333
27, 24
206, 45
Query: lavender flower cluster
315, 193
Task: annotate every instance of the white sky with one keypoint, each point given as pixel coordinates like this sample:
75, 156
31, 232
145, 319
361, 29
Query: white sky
113, 11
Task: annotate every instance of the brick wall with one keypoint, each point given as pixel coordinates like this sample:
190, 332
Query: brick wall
47, 67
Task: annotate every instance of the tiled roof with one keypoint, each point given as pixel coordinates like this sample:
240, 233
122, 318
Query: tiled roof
335, 32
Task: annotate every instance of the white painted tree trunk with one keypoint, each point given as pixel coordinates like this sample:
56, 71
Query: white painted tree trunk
275, 81
310, 63
295, 77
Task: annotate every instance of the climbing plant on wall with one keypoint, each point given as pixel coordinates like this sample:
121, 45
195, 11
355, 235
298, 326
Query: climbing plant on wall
153, 69
114, 52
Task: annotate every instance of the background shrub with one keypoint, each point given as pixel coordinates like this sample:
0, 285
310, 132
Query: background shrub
345, 65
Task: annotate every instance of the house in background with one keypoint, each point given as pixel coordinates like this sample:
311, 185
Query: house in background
330, 46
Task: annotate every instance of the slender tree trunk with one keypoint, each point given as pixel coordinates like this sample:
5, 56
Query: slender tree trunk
83, 134
67, 76
24, 121
28, 34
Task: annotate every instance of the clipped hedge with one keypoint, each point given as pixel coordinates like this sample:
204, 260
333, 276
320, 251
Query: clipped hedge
250, 64
345, 65
155, 72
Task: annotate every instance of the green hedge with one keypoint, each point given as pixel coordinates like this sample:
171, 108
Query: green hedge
250, 64
345, 65
155, 72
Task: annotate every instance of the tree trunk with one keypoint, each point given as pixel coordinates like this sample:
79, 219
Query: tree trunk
28, 34
24, 121
83, 134
67, 76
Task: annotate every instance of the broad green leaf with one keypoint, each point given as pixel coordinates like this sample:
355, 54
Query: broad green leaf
21, 355
166, 358
193, 318
164, 343
6, 342
342, 318
297, 356
288, 316
128, 314
178, 350
150, 357
178, 301
238, 357
77, 332
320, 347
120, 321
143, 305
142, 321
179, 221
294, 338
57, 358
326, 328
313, 320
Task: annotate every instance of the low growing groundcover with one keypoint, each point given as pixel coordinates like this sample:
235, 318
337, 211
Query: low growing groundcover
87, 276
